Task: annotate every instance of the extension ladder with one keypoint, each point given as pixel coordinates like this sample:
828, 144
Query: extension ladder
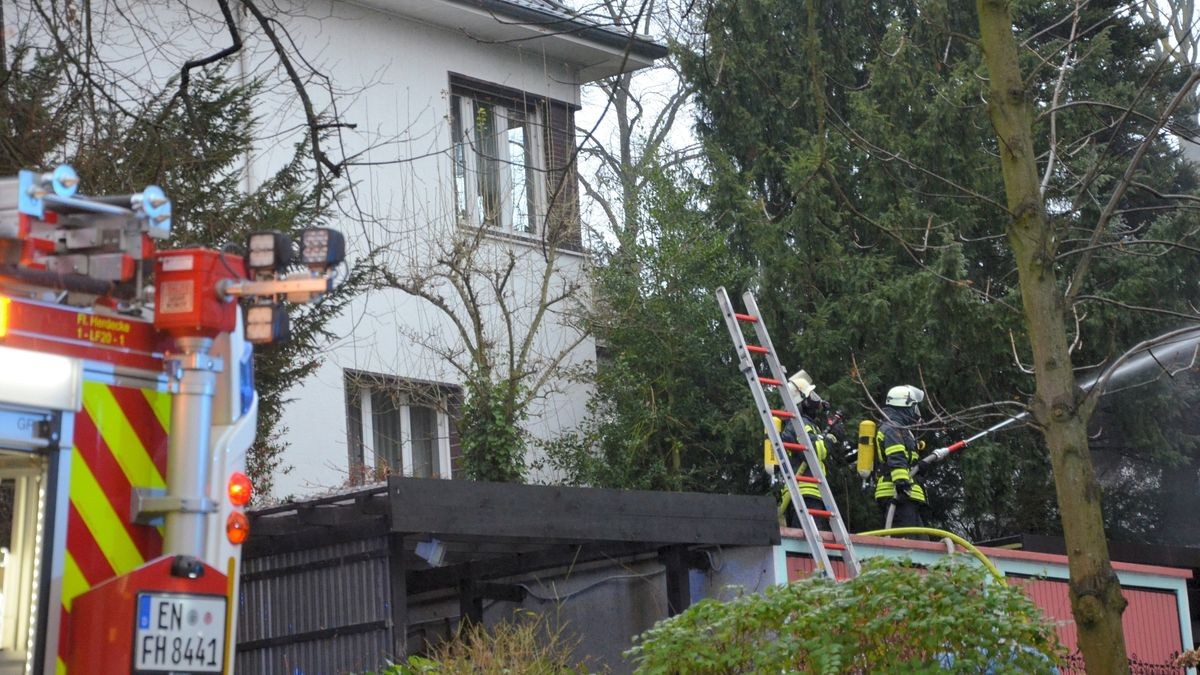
790, 414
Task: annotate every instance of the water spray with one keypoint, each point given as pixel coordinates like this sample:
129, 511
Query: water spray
1170, 353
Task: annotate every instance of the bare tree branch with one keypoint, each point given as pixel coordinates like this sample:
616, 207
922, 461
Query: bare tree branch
1126, 180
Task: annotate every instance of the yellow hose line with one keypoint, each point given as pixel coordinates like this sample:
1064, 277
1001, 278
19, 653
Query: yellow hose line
901, 531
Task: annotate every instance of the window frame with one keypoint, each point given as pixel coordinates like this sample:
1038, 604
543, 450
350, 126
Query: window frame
360, 388
465, 96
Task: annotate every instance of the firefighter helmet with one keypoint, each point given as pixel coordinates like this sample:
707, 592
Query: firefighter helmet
801, 386
904, 396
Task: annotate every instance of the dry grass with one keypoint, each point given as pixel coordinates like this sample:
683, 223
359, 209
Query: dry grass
525, 645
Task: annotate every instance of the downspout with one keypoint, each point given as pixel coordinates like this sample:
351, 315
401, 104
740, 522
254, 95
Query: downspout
248, 167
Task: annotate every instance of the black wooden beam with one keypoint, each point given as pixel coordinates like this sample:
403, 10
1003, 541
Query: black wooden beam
284, 534
310, 636
552, 514
440, 578
503, 592
329, 516
336, 561
470, 602
398, 588
679, 592
343, 498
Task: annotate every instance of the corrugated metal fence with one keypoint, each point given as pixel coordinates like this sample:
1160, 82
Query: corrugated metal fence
1151, 622
321, 611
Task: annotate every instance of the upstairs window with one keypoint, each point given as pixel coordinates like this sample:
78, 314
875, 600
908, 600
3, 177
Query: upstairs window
499, 163
513, 161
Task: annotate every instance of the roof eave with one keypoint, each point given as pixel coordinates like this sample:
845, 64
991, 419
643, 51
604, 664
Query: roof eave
594, 51
638, 45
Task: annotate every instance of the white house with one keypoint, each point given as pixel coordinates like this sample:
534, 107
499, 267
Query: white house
465, 121
459, 130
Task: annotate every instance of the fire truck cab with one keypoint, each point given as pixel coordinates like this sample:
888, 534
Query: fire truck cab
127, 407
83, 438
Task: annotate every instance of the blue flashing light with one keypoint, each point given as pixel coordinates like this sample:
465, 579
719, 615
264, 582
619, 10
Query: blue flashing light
246, 370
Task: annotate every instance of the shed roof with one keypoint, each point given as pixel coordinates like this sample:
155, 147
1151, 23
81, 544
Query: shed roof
492, 530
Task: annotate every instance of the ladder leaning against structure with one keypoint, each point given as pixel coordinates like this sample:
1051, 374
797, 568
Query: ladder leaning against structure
790, 414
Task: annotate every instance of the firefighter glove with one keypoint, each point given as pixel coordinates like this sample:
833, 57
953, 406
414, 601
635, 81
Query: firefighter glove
832, 441
903, 488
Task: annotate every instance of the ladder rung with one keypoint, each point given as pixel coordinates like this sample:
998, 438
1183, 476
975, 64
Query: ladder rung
808, 479
771, 381
835, 547
782, 414
820, 513
757, 349
745, 317
793, 446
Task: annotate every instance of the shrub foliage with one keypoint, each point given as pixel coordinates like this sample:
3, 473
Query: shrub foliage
894, 618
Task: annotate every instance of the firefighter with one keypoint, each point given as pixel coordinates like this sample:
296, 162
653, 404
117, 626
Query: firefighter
896, 455
812, 409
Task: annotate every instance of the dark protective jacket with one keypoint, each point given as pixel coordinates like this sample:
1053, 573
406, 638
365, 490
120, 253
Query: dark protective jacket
895, 455
799, 465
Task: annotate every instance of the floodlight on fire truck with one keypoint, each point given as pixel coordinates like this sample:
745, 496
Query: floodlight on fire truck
268, 252
33, 187
266, 323
40, 379
153, 203
64, 181
322, 248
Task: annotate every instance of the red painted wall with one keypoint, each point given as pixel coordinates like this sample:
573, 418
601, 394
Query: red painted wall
1151, 622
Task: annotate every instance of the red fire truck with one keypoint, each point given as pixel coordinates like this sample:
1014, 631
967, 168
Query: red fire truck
127, 407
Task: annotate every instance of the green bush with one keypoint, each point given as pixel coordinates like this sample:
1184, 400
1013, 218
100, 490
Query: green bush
893, 618
493, 444
526, 645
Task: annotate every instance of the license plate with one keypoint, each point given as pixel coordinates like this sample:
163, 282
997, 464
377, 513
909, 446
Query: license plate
178, 633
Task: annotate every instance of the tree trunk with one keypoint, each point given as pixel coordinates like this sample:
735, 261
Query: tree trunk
1096, 599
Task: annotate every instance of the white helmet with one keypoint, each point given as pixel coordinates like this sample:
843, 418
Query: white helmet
904, 396
801, 386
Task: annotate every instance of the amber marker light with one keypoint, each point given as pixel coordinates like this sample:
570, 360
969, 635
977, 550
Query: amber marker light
237, 527
240, 489
4, 303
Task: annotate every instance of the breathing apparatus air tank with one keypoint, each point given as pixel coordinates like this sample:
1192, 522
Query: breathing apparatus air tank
770, 461
866, 448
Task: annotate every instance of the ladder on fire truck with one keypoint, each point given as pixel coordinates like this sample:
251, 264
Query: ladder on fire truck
790, 414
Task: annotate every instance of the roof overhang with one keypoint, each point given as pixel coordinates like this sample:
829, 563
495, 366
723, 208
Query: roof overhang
596, 51
487, 531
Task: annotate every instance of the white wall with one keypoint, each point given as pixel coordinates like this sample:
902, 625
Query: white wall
394, 74
389, 77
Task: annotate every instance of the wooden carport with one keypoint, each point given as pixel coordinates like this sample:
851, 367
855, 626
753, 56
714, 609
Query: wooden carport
487, 533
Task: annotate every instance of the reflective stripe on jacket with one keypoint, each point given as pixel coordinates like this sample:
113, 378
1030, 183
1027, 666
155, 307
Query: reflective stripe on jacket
799, 465
895, 455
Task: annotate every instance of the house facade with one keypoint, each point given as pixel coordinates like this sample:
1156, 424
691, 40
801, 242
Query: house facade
452, 125
465, 194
